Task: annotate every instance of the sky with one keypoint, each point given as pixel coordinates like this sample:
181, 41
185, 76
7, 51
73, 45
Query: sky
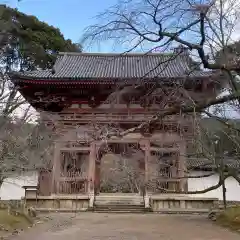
70, 16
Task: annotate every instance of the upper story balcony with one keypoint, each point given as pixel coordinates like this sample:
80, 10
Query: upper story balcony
131, 116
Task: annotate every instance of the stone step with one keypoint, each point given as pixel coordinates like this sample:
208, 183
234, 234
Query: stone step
120, 199
119, 206
120, 211
117, 197
118, 202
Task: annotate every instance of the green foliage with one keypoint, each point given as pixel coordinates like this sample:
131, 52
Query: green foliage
29, 42
230, 218
10, 221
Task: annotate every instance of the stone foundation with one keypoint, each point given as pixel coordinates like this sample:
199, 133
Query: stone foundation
59, 203
156, 203
164, 202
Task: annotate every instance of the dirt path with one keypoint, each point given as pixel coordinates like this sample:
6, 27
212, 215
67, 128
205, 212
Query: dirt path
94, 226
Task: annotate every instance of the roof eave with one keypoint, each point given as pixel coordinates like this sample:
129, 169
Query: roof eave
78, 80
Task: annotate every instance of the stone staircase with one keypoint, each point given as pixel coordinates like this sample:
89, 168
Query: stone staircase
116, 203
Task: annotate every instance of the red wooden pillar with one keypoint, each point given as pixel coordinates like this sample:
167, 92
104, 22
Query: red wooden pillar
182, 166
141, 165
97, 177
147, 159
44, 182
91, 173
56, 169
91, 168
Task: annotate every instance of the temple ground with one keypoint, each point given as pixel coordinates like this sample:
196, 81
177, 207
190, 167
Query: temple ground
88, 226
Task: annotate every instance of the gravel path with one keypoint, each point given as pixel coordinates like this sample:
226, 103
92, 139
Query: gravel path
100, 226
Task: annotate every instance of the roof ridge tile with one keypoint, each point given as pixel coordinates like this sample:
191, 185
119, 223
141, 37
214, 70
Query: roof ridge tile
116, 54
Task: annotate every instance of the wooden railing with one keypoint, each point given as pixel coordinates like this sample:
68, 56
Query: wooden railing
71, 182
116, 116
73, 175
72, 186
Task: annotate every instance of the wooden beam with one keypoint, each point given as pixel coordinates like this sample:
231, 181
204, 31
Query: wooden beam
75, 149
70, 179
164, 150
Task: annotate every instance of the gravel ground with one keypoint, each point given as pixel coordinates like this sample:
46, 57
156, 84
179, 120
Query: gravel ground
100, 226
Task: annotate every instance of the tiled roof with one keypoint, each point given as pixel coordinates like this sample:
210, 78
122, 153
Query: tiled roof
117, 66
206, 164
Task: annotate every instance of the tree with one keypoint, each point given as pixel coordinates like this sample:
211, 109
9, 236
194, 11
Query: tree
23, 147
122, 22
26, 44
203, 27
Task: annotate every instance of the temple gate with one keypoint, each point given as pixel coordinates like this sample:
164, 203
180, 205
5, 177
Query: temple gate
76, 100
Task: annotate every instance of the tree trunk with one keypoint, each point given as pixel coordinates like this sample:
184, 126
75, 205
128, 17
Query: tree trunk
1, 181
224, 195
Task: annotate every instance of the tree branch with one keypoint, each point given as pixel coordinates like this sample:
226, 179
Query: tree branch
174, 110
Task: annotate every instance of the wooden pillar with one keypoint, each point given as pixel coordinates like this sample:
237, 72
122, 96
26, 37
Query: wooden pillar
182, 166
147, 159
173, 171
91, 173
97, 177
56, 168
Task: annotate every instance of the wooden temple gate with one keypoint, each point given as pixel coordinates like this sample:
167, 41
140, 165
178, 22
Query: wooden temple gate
77, 165
77, 94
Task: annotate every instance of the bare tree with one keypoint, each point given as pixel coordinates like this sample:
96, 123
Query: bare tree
165, 24
24, 147
202, 27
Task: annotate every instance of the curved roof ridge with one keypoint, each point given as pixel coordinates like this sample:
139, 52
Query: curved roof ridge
116, 66
116, 54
